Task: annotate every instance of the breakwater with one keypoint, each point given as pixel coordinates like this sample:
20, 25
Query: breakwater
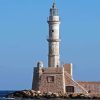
44, 99
33, 95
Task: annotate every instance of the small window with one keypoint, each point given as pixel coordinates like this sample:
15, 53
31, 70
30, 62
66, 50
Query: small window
52, 30
50, 79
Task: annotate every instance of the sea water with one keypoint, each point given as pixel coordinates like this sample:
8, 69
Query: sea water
5, 93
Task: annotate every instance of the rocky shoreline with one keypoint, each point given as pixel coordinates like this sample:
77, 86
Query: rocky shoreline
31, 94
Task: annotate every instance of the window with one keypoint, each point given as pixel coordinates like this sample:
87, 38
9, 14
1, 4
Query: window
50, 79
70, 89
52, 30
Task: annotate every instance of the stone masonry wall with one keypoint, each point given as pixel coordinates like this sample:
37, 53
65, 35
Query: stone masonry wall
54, 85
68, 68
35, 85
70, 82
36, 78
56, 79
92, 87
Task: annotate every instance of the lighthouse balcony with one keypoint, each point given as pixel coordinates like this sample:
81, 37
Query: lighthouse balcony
53, 19
53, 40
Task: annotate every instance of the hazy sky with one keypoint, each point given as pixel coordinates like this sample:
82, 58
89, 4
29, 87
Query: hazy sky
23, 34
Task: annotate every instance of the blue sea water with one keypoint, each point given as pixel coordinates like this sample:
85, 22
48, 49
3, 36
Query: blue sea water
5, 93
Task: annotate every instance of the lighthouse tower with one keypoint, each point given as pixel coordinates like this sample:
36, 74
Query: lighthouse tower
54, 79
53, 40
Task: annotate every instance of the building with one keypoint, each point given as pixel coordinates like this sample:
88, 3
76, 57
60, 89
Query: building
58, 78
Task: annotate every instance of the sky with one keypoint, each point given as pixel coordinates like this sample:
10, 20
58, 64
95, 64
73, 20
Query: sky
23, 34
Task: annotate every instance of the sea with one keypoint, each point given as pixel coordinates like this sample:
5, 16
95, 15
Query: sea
3, 95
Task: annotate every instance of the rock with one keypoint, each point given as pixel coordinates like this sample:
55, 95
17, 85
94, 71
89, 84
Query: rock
37, 94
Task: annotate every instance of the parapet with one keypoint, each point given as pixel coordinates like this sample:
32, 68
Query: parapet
52, 70
68, 68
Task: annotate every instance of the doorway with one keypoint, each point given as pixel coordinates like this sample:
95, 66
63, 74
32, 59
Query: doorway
70, 89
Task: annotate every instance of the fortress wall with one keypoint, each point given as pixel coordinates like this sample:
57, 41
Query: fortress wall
92, 87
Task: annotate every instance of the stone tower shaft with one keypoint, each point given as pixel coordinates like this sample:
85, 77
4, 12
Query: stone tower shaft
53, 40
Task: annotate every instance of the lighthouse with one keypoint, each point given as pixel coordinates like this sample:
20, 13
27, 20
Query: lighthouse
55, 78
53, 39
